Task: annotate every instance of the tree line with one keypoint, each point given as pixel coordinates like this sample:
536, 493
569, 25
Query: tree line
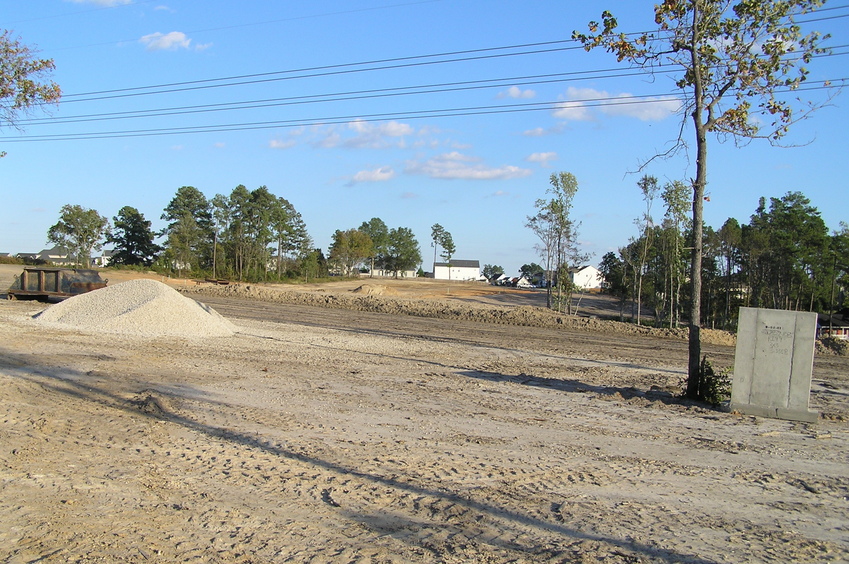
247, 235
783, 258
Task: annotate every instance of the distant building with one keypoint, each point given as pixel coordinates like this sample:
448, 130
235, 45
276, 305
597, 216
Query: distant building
104, 259
461, 270
586, 277
56, 255
379, 273
836, 325
523, 282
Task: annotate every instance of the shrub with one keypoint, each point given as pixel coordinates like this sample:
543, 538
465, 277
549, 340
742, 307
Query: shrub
715, 385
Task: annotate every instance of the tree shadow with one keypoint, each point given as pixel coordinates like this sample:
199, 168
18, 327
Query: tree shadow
471, 342
155, 402
566, 385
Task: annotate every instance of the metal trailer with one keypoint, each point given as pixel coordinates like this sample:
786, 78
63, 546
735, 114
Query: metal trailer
43, 283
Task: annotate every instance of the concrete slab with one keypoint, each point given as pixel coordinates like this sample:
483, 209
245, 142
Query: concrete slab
773, 364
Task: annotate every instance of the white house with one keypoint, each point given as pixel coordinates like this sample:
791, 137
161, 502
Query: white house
104, 259
378, 273
57, 256
461, 270
523, 282
502, 280
586, 277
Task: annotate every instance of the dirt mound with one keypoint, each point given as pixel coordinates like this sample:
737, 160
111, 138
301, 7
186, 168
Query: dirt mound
527, 316
138, 307
371, 290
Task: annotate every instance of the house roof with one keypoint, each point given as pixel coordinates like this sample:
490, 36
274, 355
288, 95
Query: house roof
56, 251
837, 320
458, 263
582, 268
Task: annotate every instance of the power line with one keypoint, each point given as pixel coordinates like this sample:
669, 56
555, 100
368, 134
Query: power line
348, 96
358, 95
328, 70
339, 69
335, 120
322, 71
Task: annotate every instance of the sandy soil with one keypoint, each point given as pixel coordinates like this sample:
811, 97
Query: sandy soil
331, 435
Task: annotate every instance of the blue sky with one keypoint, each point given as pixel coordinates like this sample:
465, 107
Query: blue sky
347, 138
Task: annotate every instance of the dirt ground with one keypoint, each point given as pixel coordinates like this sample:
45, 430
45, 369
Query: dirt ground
325, 434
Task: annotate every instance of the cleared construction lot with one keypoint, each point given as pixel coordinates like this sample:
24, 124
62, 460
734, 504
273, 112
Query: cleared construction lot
318, 434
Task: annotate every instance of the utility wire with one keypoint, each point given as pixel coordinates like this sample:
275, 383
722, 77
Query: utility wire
383, 64
347, 96
334, 120
312, 72
325, 70
356, 95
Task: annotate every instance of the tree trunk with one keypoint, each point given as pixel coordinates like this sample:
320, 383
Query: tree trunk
694, 372
640, 297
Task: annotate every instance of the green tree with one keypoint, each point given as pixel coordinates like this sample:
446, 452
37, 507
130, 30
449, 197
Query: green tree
446, 241
377, 231
558, 236
448, 248
786, 249
181, 244
24, 81
237, 232
531, 270
649, 188
838, 268
133, 238
676, 200
195, 236
403, 252
492, 271
79, 230
220, 221
258, 222
614, 271
437, 232
313, 264
739, 63
349, 249
730, 237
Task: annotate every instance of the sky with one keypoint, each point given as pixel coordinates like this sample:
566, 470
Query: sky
418, 112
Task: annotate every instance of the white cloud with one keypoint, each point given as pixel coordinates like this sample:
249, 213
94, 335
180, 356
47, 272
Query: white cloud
381, 174
574, 108
165, 41
535, 132
455, 165
281, 144
646, 109
517, 93
329, 139
361, 134
378, 136
572, 111
542, 158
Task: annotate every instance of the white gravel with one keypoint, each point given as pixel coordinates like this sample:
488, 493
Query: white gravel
139, 307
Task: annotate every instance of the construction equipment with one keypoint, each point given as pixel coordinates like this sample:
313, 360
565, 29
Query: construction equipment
43, 283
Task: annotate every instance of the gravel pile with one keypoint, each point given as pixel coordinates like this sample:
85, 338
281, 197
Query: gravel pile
138, 307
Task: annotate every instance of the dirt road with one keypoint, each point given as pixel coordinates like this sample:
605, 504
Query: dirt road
325, 435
